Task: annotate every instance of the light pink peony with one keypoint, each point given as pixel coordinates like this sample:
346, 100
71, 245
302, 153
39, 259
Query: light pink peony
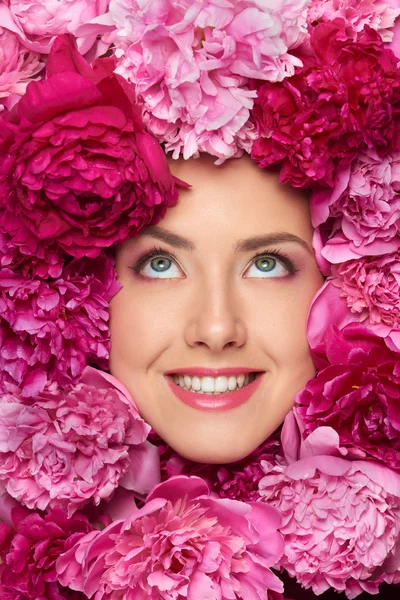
18, 67
340, 519
363, 208
181, 544
191, 63
377, 14
39, 22
74, 445
50, 329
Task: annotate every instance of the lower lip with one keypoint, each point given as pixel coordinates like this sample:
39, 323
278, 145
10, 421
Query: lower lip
225, 401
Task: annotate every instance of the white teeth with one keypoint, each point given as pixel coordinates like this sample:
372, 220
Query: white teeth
213, 385
221, 384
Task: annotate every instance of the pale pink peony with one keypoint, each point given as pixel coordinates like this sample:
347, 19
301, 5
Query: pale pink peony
75, 445
340, 519
18, 66
363, 208
39, 22
182, 544
50, 330
377, 14
191, 63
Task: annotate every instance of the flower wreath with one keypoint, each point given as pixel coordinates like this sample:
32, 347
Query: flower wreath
94, 504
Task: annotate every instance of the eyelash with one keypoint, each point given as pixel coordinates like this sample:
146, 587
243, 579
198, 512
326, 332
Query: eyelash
156, 251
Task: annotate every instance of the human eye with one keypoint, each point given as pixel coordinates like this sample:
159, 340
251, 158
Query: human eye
157, 264
269, 264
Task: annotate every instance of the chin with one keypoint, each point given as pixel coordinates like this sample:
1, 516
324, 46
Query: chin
218, 451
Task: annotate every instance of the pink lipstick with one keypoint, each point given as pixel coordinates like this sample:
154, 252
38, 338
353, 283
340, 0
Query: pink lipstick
214, 402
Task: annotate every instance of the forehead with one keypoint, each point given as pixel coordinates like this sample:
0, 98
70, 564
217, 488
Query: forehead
235, 198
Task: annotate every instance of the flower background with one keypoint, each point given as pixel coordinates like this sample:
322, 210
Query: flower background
87, 490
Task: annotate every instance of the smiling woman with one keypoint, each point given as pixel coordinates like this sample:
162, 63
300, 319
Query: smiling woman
209, 330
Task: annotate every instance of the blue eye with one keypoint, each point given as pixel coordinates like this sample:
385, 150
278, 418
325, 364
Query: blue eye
160, 267
268, 266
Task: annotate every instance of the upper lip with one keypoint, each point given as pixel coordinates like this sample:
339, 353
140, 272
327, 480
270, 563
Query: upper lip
205, 371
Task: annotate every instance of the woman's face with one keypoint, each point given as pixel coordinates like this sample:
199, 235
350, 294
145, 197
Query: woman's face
217, 294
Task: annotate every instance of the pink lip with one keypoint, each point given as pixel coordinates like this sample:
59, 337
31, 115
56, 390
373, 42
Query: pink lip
204, 372
218, 402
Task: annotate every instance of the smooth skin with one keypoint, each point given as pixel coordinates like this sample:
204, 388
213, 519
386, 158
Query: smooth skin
235, 292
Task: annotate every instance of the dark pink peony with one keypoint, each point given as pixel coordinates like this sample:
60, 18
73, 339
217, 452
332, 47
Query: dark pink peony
79, 168
50, 329
342, 101
182, 544
356, 392
29, 551
340, 518
76, 445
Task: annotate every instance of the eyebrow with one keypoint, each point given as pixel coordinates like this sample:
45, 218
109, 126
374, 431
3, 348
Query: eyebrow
246, 245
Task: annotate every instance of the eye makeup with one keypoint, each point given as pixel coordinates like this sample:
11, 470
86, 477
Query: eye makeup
156, 251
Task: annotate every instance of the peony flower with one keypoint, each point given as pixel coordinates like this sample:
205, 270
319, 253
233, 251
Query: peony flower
29, 552
238, 480
356, 392
80, 170
340, 103
50, 329
17, 68
340, 519
39, 22
182, 544
76, 445
377, 14
371, 287
363, 206
191, 64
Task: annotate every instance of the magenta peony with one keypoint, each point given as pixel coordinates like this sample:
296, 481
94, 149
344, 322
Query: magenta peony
341, 102
191, 63
378, 14
38, 22
356, 392
80, 169
71, 446
17, 68
182, 544
50, 330
28, 553
340, 519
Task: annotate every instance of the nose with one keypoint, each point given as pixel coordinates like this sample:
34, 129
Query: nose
216, 319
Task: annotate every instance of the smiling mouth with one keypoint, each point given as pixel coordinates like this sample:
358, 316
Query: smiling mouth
214, 386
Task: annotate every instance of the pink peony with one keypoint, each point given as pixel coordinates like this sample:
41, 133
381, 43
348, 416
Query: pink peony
71, 446
356, 392
29, 551
50, 330
79, 169
341, 102
363, 206
38, 22
182, 544
191, 63
374, 303
18, 67
340, 519
377, 14
371, 287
